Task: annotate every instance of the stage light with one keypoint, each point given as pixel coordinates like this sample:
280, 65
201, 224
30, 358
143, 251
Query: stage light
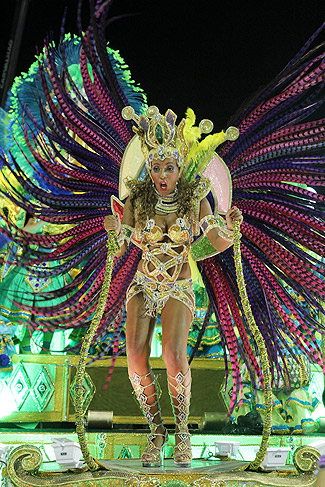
67, 452
275, 457
227, 448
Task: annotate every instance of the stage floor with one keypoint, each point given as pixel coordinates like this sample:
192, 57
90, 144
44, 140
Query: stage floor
31, 463
199, 465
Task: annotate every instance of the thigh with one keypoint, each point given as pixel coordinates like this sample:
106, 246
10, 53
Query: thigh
176, 319
139, 326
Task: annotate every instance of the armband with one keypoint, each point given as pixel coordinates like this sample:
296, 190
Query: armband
125, 234
227, 234
209, 222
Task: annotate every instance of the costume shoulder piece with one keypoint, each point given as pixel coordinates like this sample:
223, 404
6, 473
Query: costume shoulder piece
200, 192
202, 189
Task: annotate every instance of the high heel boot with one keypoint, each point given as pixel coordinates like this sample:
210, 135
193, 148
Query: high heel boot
179, 387
145, 389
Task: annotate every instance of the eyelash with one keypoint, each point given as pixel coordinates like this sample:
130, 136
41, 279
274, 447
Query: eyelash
157, 168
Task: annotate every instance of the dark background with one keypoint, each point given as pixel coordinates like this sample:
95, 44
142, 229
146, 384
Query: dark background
209, 55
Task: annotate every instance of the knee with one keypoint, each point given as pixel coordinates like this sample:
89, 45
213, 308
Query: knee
137, 353
174, 357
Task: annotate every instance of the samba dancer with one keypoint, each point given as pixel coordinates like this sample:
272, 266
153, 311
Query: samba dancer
165, 212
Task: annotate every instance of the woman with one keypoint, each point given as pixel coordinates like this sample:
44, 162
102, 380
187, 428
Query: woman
165, 212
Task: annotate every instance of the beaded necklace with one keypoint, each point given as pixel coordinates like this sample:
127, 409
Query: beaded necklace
168, 203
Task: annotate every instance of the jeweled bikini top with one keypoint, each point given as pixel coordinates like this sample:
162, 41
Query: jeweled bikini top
179, 232
153, 245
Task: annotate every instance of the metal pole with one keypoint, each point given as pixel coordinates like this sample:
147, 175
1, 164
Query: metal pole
13, 47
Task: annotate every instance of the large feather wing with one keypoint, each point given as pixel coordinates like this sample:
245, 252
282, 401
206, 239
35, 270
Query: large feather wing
277, 169
68, 138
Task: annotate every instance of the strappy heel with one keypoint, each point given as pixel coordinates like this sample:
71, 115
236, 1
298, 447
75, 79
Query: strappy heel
149, 404
180, 393
153, 456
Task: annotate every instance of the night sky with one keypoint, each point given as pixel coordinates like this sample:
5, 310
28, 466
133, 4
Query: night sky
209, 55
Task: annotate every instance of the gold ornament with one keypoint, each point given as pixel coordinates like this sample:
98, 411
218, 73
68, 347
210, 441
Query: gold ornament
206, 126
232, 133
132, 482
258, 337
112, 248
128, 113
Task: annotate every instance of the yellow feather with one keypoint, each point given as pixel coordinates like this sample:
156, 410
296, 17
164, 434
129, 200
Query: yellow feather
195, 273
191, 133
193, 151
190, 117
212, 141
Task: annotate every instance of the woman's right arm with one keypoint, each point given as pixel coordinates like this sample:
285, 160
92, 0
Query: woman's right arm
124, 228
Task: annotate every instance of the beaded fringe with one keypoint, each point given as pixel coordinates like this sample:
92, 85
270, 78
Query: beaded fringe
112, 248
262, 353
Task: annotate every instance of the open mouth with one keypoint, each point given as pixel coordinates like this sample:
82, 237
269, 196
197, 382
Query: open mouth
163, 186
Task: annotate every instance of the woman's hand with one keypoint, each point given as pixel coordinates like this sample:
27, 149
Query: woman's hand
112, 222
234, 214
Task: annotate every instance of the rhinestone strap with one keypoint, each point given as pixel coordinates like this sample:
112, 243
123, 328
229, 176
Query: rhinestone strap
182, 397
183, 451
209, 222
152, 453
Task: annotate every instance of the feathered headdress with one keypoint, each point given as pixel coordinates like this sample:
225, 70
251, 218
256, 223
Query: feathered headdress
158, 137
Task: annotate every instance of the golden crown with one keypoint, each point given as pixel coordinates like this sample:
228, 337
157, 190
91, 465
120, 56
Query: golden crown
160, 137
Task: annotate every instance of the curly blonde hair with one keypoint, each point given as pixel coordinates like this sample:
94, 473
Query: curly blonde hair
144, 199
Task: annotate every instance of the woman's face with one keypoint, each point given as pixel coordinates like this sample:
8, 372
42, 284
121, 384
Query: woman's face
165, 175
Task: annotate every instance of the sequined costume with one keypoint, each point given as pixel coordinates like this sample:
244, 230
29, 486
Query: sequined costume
165, 253
156, 293
159, 279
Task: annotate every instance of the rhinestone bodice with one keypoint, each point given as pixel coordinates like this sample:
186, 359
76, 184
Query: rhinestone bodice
163, 253
178, 233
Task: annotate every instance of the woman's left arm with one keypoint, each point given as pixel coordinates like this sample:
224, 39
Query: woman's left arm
217, 230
